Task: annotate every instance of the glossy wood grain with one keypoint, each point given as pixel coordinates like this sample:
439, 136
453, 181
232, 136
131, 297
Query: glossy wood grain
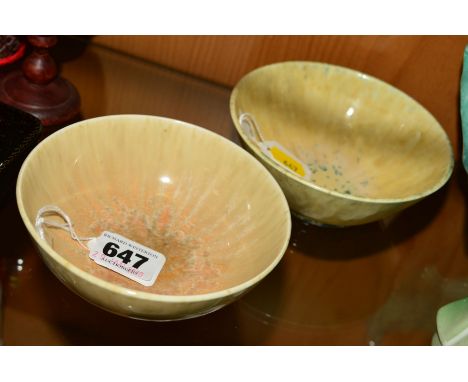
426, 67
225, 59
376, 284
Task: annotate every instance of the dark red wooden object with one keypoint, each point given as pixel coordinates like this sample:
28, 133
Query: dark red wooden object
38, 89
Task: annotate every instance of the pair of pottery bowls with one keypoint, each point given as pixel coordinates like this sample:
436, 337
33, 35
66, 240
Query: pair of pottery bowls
332, 145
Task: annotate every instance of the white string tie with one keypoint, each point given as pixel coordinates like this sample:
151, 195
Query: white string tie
250, 127
41, 222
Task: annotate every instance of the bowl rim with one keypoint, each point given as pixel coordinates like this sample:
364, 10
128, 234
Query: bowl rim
294, 177
143, 295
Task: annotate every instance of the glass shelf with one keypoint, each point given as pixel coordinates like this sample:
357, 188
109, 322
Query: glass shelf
379, 284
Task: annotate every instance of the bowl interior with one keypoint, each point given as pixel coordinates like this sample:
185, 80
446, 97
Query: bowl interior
213, 211
358, 135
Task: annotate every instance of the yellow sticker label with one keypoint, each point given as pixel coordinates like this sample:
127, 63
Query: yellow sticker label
287, 160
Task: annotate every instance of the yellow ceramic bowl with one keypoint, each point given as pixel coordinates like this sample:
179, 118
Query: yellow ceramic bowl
367, 150
217, 215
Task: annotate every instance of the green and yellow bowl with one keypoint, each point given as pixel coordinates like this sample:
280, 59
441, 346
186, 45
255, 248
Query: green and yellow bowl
346, 148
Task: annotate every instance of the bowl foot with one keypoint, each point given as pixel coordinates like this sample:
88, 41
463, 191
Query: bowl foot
307, 220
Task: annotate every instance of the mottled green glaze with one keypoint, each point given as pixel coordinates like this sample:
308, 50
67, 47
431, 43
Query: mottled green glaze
464, 108
371, 149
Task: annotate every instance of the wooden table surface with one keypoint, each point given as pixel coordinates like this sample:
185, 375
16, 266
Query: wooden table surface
380, 284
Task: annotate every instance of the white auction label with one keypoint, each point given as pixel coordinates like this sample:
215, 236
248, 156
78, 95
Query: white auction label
124, 256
